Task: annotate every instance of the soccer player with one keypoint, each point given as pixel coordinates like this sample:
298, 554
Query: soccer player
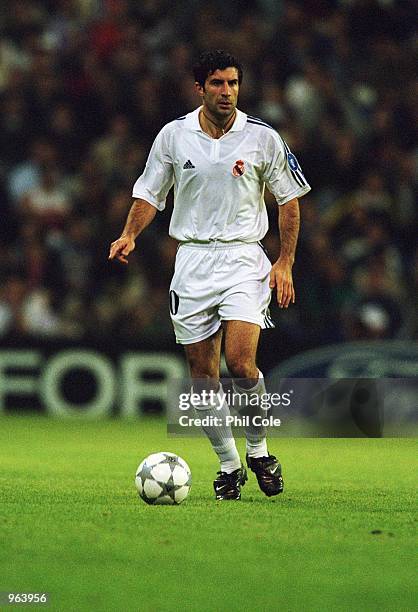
219, 160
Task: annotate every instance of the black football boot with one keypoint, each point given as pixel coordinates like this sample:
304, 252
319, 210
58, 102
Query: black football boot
228, 486
269, 474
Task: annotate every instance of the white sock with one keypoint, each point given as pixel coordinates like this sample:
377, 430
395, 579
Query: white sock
220, 435
256, 444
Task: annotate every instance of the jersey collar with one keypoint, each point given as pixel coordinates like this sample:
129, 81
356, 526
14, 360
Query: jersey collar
192, 121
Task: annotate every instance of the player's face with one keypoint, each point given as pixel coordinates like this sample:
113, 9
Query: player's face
220, 93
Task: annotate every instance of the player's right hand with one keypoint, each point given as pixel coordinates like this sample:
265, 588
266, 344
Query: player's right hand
121, 248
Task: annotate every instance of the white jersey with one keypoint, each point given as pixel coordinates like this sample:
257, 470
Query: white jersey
219, 183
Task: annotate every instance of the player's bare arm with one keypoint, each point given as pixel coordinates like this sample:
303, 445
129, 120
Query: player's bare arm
140, 216
281, 271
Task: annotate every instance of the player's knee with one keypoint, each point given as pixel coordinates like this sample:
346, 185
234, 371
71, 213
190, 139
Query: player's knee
202, 371
240, 367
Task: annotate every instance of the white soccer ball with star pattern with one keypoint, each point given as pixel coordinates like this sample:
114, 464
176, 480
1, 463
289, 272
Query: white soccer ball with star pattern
163, 479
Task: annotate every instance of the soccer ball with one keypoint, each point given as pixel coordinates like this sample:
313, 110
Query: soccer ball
164, 479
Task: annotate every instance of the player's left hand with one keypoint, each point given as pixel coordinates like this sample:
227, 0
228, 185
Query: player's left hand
281, 278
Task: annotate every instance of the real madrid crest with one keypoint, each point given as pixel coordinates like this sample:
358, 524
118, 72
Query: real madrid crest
239, 168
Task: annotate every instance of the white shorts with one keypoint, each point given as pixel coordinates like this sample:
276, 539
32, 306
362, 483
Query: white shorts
218, 282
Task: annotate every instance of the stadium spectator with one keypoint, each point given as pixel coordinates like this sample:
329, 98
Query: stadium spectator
26, 175
47, 205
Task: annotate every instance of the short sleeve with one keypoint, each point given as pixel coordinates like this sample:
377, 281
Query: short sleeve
282, 173
157, 179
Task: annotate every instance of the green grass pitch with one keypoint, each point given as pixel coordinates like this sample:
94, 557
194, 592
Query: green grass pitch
71, 524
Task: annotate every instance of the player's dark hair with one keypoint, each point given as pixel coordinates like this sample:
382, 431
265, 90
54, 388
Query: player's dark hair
209, 61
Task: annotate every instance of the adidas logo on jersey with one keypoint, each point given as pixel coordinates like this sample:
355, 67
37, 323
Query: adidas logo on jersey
188, 165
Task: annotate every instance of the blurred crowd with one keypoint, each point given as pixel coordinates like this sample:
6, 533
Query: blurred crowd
85, 85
